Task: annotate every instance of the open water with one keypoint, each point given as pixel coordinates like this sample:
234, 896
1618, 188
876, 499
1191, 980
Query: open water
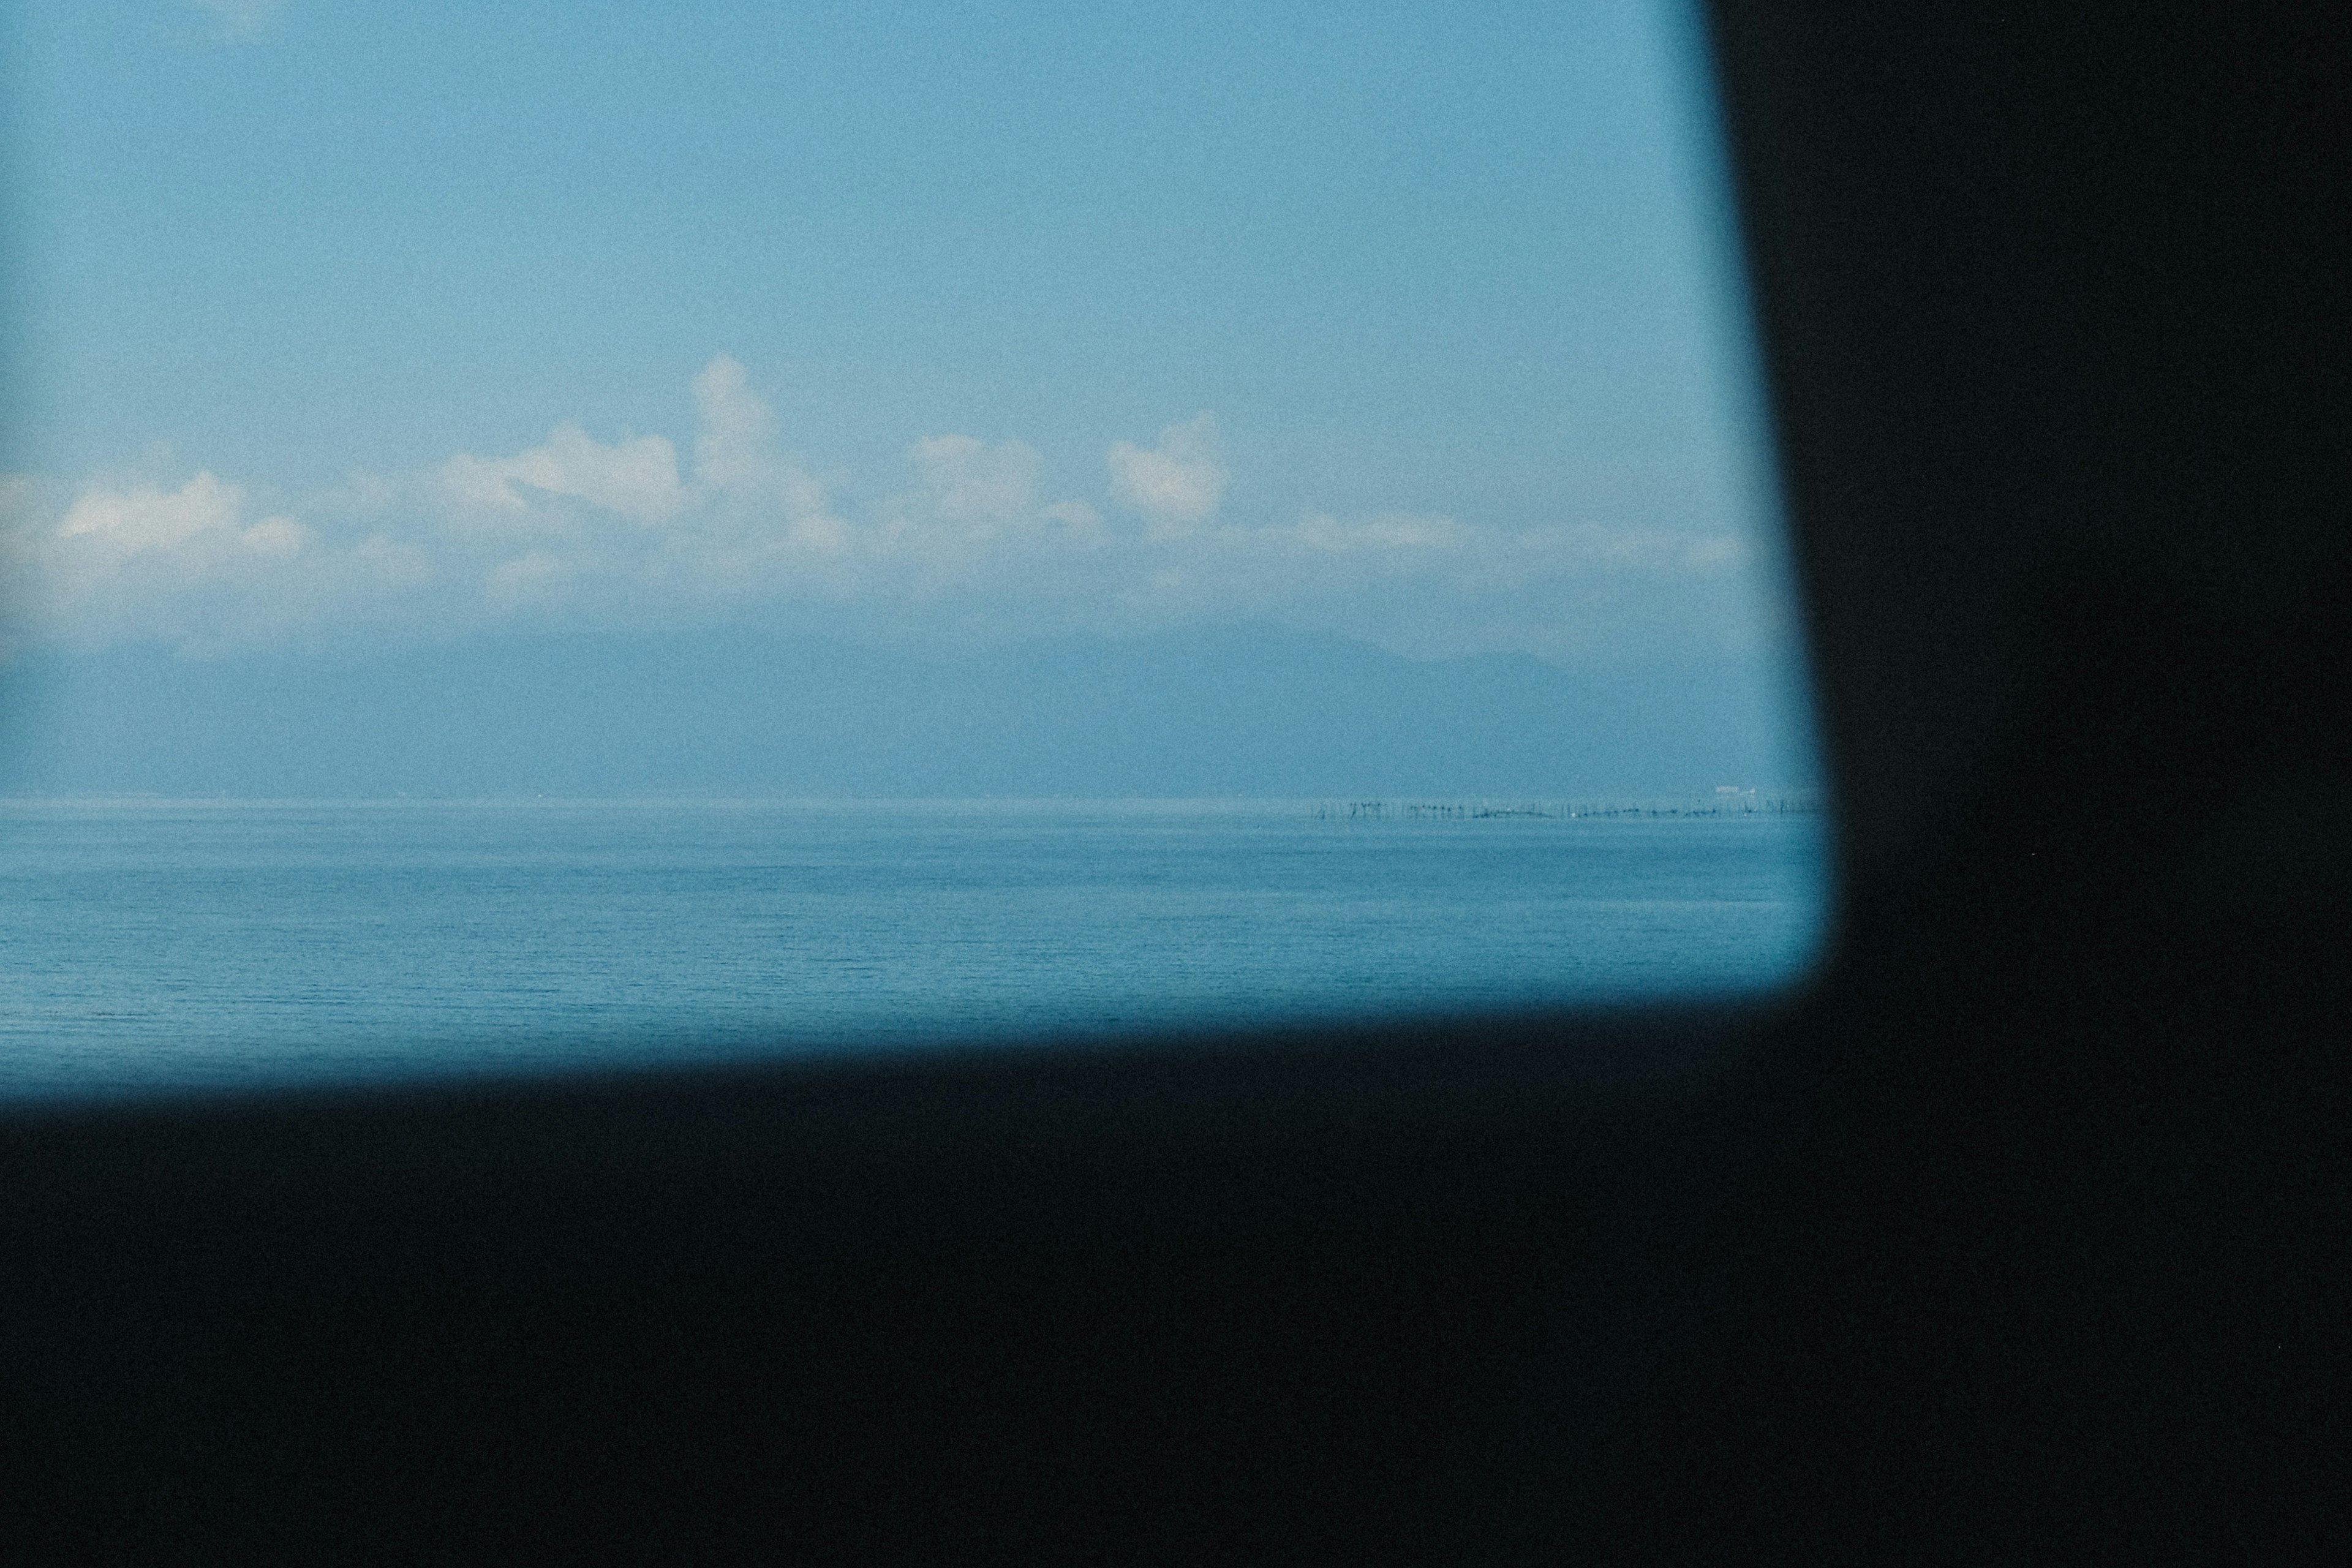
159, 946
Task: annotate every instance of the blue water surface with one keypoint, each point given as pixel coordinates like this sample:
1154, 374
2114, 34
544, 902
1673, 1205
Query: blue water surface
156, 946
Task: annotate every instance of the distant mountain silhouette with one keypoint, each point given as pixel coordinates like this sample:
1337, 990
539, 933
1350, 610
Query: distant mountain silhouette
1221, 712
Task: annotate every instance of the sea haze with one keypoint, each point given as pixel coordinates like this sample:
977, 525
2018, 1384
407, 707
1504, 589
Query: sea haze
1208, 711
151, 946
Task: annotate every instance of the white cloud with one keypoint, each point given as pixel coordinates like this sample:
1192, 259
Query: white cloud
587, 532
1388, 530
188, 565
737, 448
276, 536
969, 482
1175, 485
122, 523
635, 479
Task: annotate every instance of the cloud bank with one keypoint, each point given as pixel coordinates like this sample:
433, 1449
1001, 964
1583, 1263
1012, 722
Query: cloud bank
1175, 485
578, 531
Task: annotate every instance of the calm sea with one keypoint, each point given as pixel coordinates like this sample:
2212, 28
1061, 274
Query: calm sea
152, 945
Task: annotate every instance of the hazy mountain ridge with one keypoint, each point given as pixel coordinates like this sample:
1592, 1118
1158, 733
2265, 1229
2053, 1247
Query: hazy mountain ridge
1224, 712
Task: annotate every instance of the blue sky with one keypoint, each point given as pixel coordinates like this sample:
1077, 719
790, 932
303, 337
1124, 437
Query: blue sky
1420, 325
